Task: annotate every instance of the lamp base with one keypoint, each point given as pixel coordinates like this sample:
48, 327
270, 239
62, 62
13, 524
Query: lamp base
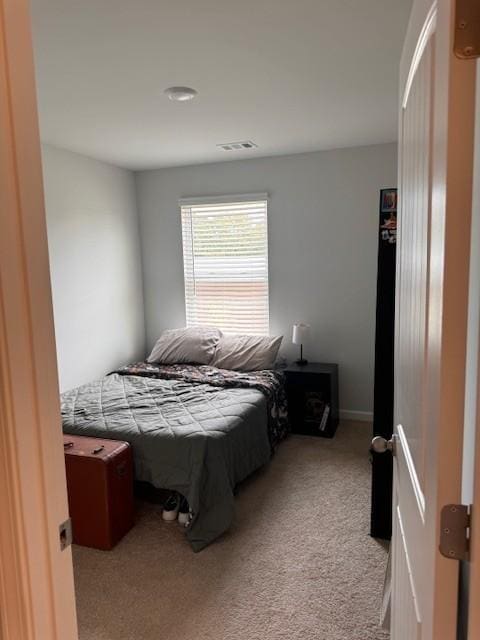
302, 362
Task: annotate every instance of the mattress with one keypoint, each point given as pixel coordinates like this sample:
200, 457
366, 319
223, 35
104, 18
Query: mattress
196, 437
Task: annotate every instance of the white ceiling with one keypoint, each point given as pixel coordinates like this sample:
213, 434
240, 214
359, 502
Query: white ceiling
291, 75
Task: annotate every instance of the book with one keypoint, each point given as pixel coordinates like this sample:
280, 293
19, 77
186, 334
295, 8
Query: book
324, 420
314, 408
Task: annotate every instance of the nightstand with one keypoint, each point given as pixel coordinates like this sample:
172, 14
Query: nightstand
312, 394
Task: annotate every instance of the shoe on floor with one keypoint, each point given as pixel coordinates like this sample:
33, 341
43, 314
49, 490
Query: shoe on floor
184, 513
171, 507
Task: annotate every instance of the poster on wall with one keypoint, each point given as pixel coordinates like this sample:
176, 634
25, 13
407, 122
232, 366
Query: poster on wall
388, 215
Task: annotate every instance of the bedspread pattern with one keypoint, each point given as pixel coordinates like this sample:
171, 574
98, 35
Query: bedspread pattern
270, 383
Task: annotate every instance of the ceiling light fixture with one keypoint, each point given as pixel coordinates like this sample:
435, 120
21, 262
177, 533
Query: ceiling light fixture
180, 94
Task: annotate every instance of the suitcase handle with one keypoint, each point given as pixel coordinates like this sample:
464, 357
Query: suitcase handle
67, 445
98, 449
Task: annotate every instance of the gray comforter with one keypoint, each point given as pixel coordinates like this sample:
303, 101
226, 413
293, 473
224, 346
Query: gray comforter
195, 438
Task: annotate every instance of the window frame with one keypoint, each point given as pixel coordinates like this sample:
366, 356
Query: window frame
226, 200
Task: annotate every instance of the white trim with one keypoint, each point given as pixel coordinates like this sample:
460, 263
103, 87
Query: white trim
472, 493
417, 489
410, 572
243, 197
427, 30
359, 416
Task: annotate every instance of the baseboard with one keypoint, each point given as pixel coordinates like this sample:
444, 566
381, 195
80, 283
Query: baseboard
360, 416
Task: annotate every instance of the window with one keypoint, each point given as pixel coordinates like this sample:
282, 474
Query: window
225, 256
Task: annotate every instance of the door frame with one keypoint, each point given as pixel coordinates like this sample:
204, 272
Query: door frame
36, 577
471, 584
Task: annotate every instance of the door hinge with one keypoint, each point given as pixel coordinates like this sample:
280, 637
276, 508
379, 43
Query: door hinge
65, 534
467, 29
455, 531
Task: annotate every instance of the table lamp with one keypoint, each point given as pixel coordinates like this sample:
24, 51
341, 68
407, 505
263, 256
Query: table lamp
300, 335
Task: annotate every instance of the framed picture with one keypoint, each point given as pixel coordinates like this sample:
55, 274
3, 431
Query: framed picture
388, 200
388, 216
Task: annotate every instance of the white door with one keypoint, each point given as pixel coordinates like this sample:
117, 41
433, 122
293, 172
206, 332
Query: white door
435, 174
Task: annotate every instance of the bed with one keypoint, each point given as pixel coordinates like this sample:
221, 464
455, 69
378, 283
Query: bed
198, 430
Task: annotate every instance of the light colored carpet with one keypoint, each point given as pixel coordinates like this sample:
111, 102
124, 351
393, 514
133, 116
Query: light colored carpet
298, 562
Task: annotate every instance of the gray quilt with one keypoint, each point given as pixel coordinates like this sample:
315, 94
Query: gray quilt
194, 438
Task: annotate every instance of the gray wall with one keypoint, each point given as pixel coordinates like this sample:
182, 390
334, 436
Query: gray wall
95, 265
323, 226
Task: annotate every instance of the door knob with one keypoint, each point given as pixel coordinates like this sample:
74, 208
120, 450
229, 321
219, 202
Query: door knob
380, 445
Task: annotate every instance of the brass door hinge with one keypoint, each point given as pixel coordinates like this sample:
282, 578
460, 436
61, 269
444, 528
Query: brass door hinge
467, 29
455, 531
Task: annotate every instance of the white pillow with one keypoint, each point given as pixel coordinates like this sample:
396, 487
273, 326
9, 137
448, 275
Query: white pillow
195, 345
246, 353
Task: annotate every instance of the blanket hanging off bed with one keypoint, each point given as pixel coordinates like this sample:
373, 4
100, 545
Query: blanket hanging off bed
197, 430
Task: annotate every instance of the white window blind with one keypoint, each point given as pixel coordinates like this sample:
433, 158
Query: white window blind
225, 255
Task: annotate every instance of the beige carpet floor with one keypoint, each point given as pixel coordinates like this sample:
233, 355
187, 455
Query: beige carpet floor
298, 562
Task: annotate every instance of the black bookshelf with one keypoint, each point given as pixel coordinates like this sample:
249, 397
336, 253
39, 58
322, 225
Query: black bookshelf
312, 395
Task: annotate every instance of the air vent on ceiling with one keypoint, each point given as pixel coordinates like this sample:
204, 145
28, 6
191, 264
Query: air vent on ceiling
237, 146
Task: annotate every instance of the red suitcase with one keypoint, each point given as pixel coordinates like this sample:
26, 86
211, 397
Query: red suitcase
100, 490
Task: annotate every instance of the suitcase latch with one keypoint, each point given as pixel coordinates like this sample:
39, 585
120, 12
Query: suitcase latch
65, 534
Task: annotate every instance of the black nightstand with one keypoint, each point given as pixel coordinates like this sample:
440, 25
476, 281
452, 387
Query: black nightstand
312, 394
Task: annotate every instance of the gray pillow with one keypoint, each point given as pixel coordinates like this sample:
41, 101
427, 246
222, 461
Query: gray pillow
195, 345
246, 353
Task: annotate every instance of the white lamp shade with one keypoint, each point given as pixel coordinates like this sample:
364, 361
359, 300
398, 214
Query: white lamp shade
300, 333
